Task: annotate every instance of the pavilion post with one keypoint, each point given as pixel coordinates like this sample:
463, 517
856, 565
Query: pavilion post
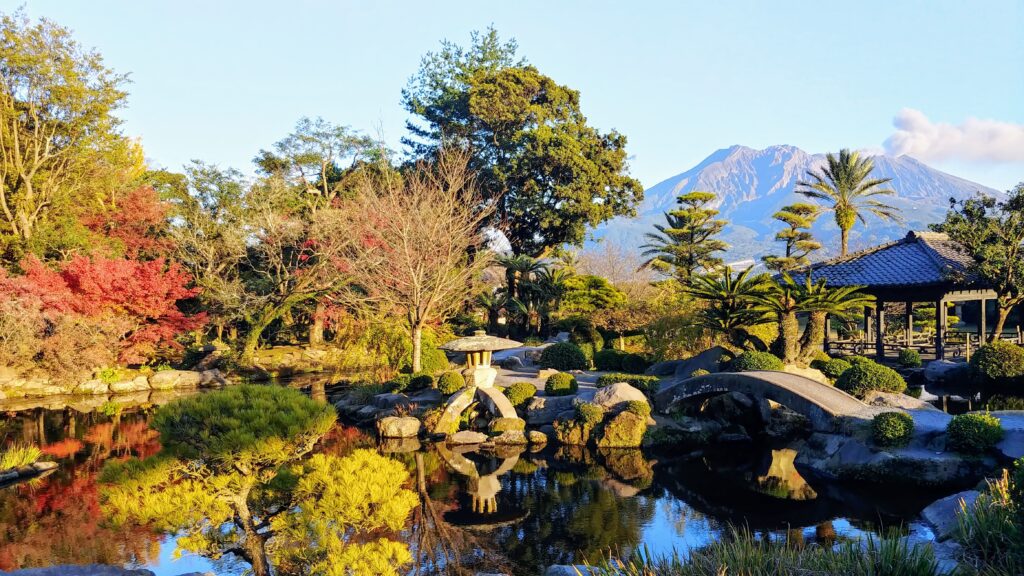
909, 318
940, 328
867, 325
880, 330
982, 328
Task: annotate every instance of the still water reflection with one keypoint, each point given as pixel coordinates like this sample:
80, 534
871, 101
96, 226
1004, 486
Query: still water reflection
510, 510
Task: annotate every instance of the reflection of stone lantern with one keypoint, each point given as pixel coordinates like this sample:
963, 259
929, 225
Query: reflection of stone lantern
478, 349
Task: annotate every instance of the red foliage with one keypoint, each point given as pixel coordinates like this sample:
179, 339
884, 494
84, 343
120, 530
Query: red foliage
144, 294
137, 224
63, 449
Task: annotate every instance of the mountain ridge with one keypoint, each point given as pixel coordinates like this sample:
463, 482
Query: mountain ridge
753, 184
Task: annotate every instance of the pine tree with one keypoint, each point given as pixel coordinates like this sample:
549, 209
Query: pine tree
799, 241
687, 244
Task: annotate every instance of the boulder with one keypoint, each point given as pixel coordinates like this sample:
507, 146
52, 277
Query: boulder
685, 431
467, 437
706, 360
537, 437
427, 397
809, 373
94, 386
663, 368
137, 384
941, 515
390, 400
560, 337
398, 427
624, 430
946, 371
542, 410
512, 363
613, 398
569, 570
891, 400
168, 379
511, 438
212, 379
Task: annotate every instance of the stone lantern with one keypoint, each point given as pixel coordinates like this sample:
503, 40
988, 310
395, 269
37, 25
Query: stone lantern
478, 349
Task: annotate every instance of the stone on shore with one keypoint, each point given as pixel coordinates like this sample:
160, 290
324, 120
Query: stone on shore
137, 384
398, 427
624, 430
613, 398
168, 379
545, 409
941, 515
467, 437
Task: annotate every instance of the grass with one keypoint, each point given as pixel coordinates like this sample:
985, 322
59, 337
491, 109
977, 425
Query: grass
744, 555
18, 455
992, 533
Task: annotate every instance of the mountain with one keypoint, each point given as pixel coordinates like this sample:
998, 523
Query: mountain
753, 184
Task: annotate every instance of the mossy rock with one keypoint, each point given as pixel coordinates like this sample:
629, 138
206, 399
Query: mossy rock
501, 425
624, 430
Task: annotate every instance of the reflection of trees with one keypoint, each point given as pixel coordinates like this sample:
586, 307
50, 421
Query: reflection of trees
232, 479
574, 513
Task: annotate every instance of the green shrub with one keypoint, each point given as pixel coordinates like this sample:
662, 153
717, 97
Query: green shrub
639, 407
646, 384
1000, 402
400, 383
109, 375
865, 377
909, 358
834, 367
1017, 486
820, 356
753, 360
999, 362
589, 414
699, 372
973, 433
634, 364
519, 393
892, 428
855, 360
583, 333
421, 381
450, 382
608, 360
432, 359
564, 356
560, 384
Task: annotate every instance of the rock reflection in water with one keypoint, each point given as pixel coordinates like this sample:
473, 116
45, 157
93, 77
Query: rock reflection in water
782, 479
482, 488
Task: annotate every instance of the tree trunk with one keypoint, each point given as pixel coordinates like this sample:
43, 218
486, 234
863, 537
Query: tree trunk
417, 348
1002, 313
256, 328
813, 337
789, 337
255, 543
316, 329
844, 241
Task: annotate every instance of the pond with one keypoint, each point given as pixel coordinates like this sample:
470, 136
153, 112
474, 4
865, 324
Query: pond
511, 510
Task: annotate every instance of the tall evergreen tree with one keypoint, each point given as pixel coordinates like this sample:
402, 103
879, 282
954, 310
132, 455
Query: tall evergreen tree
797, 237
548, 173
687, 243
845, 182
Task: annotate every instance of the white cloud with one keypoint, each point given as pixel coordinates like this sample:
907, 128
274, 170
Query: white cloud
974, 140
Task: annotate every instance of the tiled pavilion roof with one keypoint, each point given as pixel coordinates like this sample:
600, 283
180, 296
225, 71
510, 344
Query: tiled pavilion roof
919, 259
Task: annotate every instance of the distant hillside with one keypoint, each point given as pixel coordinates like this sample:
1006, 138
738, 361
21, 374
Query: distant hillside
753, 184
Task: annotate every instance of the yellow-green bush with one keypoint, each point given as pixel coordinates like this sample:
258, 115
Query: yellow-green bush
560, 384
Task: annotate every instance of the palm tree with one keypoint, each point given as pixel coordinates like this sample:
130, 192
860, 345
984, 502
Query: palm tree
784, 299
822, 302
845, 183
731, 308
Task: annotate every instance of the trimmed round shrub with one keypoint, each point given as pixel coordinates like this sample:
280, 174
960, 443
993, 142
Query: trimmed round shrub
589, 414
634, 364
820, 356
519, 393
451, 382
560, 384
834, 367
420, 381
608, 360
999, 362
564, 356
752, 360
699, 372
400, 383
892, 428
432, 361
855, 360
639, 407
973, 433
865, 377
909, 358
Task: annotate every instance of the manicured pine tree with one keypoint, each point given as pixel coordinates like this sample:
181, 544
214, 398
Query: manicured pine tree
687, 243
797, 237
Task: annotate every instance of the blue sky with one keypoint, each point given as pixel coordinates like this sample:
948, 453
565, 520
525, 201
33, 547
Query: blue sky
217, 81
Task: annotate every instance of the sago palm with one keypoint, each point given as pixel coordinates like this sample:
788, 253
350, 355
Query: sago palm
731, 304
822, 301
845, 183
784, 299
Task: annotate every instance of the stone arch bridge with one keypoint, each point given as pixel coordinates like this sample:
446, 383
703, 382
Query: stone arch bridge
829, 409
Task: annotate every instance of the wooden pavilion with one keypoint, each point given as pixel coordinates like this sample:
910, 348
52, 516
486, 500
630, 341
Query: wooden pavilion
923, 267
